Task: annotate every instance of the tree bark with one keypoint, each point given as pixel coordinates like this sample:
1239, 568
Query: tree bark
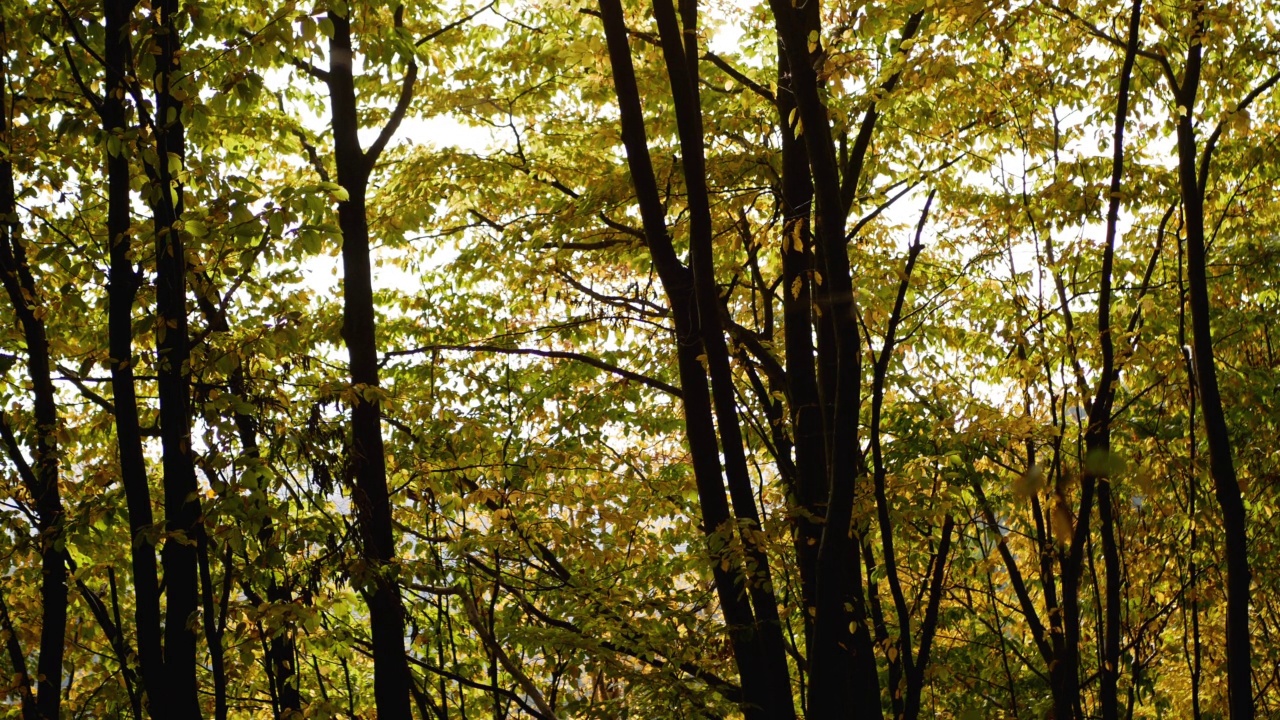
41, 479
1191, 178
1099, 441
678, 284
181, 504
123, 281
370, 496
682, 62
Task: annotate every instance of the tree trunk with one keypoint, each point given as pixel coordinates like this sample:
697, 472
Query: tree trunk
681, 62
181, 503
123, 280
42, 478
367, 458
1191, 177
678, 284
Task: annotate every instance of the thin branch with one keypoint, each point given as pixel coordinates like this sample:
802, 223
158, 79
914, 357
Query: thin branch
402, 103
621, 227
89, 95
1151, 268
637, 34
15, 455
19, 661
852, 170
463, 680
553, 354
736, 74
313, 155
306, 67
1212, 143
75, 31
437, 33
1097, 32
526, 684
74, 378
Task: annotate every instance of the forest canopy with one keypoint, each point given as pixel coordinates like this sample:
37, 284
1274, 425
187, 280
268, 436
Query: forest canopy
664, 359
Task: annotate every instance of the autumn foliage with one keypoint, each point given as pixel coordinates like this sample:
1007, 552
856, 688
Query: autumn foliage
606, 359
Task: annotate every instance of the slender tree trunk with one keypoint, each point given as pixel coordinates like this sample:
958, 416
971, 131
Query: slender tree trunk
677, 282
928, 629
370, 495
1193, 492
841, 665
902, 663
42, 478
682, 70
1096, 481
213, 629
1191, 176
123, 281
808, 496
1098, 439
182, 507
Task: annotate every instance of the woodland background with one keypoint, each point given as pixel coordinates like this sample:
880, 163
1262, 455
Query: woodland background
601, 360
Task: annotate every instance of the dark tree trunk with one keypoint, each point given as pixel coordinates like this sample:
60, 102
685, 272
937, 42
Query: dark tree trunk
677, 282
1096, 474
1192, 178
682, 63
841, 664
1098, 440
808, 496
372, 501
123, 280
929, 628
41, 479
182, 507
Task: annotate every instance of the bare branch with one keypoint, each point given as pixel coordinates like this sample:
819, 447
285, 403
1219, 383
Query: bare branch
1212, 143
402, 104
438, 32
736, 74
473, 616
554, 354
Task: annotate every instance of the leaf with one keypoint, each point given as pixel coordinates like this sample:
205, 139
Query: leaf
1031, 482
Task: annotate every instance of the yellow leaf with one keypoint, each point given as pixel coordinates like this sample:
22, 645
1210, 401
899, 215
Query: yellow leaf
1030, 482
1063, 525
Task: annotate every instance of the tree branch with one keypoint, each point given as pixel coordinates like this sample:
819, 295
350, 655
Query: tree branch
553, 354
402, 104
457, 23
736, 74
1212, 143
852, 170
526, 684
